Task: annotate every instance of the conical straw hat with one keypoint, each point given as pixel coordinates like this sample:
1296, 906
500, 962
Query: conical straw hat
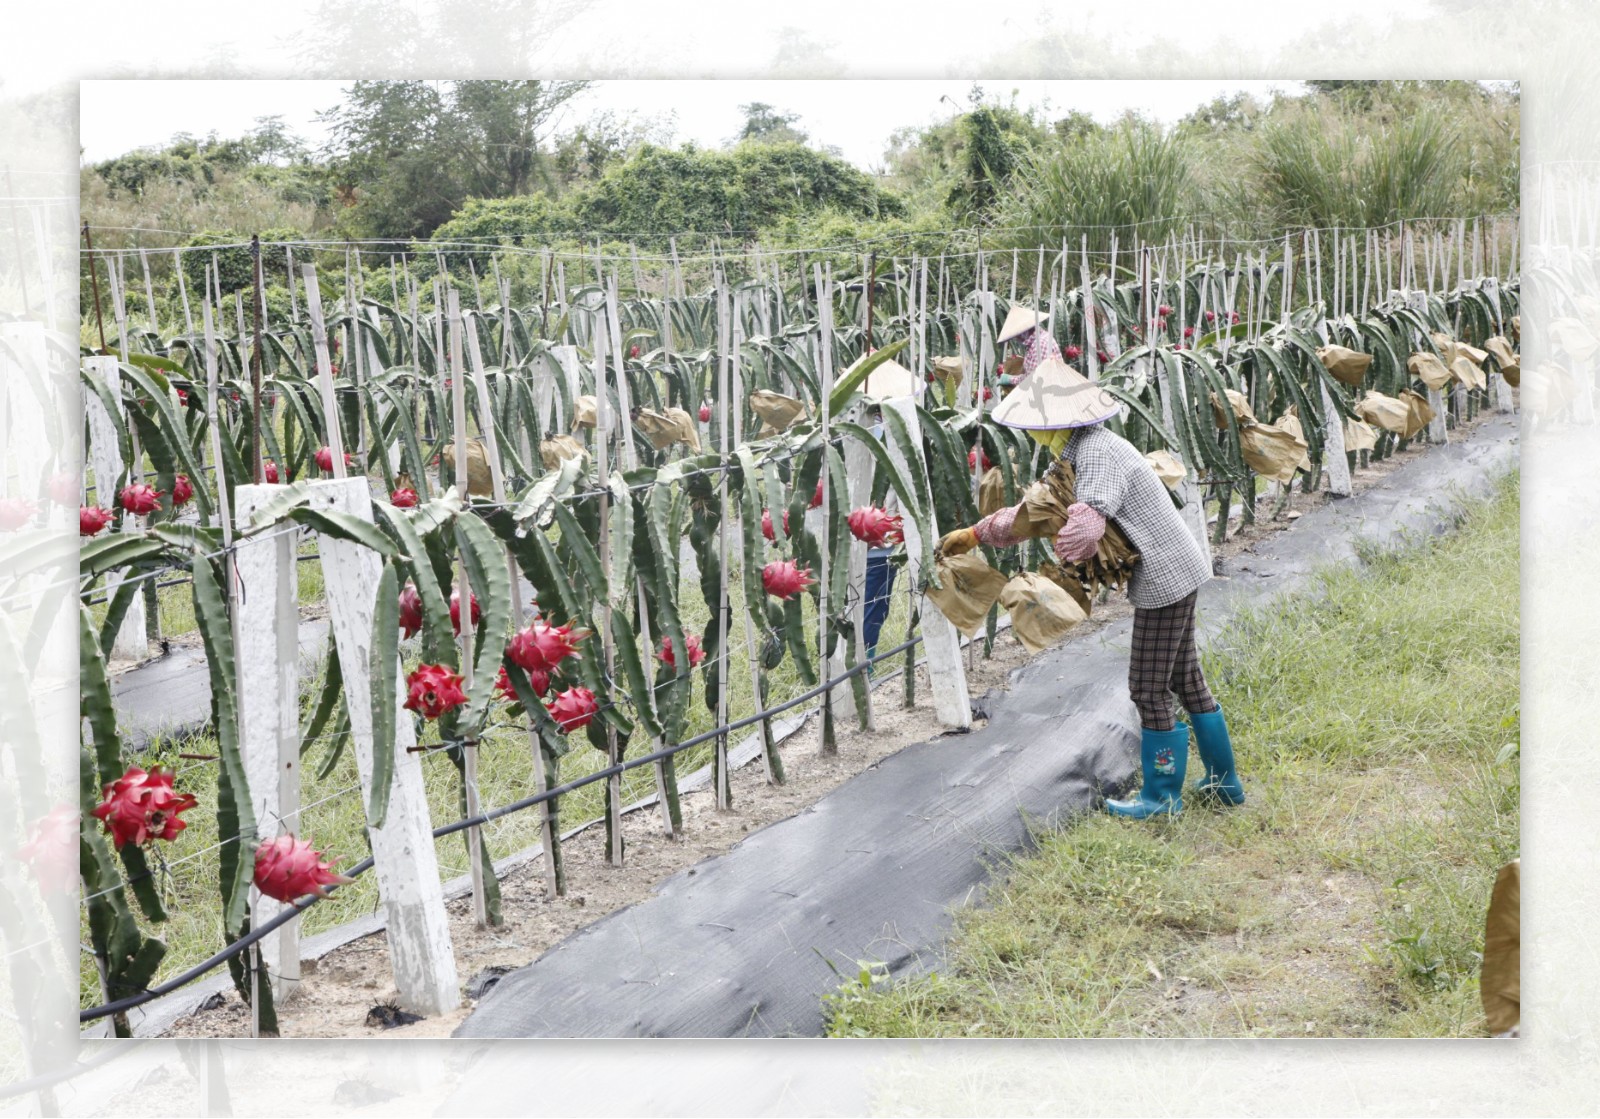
1055, 395
1019, 320
892, 381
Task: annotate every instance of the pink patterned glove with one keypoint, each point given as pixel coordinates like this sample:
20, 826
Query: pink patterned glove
1080, 536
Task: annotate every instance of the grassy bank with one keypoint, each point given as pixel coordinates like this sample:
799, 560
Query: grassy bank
1376, 733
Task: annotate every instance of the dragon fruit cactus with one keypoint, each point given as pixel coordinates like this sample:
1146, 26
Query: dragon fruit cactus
783, 579
875, 527
696, 653
140, 807
432, 689
542, 646
573, 709
288, 868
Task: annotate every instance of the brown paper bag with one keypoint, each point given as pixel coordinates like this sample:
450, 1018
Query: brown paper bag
1044, 511
583, 410
1500, 978
1358, 436
1571, 337
991, 491
1240, 405
1468, 373
1508, 361
1168, 468
1420, 412
659, 429
1042, 613
1385, 411
1429, 370
1271, 451
1346, 365
777, 412
557, 449
1290, 422
969, 587
1069, 582
947, 371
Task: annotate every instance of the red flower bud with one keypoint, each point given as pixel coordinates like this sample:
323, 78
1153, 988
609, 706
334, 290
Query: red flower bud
816, 500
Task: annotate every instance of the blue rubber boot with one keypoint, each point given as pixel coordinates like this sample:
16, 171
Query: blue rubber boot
1216, 751
1163, 756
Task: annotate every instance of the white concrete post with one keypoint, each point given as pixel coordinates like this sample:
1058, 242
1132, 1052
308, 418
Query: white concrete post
947, 677
105, 456
407, 866
858, 471
267, 623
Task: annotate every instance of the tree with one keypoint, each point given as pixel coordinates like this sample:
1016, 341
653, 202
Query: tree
271, 141
409, 153
767, 125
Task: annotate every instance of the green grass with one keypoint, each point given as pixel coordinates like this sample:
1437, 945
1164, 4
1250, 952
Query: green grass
333, 817
1375, 728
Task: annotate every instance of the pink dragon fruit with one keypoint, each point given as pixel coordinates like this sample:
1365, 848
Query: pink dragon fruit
696, 653
783, 579
182, 490
140, 806
288, 869
92, 519
875, 527
541, 646
404, 498
432, 689
573, 709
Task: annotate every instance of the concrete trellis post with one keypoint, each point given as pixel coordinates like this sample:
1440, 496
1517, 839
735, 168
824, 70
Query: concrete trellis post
858, 470
105, 456
267, 625
403, 854
946, 676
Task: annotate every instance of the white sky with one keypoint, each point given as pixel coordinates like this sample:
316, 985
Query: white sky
857, 116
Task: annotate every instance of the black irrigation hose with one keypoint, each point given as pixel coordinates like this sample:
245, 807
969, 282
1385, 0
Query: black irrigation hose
297, 907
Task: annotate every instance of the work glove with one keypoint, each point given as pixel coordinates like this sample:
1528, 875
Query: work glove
956, 543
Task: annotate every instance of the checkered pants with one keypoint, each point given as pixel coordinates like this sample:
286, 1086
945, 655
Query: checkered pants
1165, 661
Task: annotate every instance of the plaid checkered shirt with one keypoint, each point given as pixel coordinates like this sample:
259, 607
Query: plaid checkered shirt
1115, 480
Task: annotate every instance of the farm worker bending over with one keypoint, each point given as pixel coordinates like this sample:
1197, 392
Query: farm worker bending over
1066, 413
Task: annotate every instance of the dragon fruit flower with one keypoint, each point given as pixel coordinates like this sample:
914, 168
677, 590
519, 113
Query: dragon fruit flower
783, 579
288, 868
139, 498
182, 490
15, 512
139, 807
705, 413
455, 612
404, 498
92, 519
433, 689
1072, 353
696, 653
573, 709
875, 527
410, 610
542, 646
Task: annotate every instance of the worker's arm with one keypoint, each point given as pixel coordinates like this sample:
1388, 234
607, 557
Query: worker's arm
1080, 536
997, 530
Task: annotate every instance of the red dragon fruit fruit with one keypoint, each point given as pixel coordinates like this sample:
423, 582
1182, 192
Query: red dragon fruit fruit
543, 647
875, 527
816, 498
455, 612
63, 488
324, 457
140, 806
288, 869
404, 498
182, 490
696, 653
633, 350
1163, 310
410, 610
92, 519
783, 579
269, 472
1072, 353
139, 498
573, 709
972, 460
15, 512
766, 524
433, 689
52, 849
1102, 357
705, 413
539, 678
